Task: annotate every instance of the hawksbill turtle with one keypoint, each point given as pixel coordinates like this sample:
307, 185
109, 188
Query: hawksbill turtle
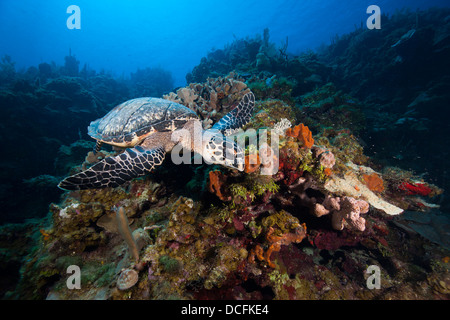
151, 127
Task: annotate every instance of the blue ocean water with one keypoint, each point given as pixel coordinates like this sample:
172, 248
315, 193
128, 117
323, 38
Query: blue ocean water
121, 36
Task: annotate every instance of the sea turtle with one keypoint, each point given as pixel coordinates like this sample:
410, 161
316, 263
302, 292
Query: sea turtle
151, 127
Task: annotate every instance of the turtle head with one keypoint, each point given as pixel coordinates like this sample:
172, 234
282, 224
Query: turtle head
218, 149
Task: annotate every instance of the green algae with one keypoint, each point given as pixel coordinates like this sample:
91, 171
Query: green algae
169, 264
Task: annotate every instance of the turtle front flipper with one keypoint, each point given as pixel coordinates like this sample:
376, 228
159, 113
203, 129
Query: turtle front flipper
115, 171
237, 117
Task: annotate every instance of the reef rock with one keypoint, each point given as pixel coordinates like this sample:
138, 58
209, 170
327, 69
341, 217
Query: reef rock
212, 99
351, 186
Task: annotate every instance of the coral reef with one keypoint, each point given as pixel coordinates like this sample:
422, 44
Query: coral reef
314, 222
212, 99
351, 186
272, 113
326, 108
275, 243
235, 233
270, 70
216, 185
345, 209
326, 157
252, 163
404, 99
373, 182
71, 66
303, 134
415, 188
150, 82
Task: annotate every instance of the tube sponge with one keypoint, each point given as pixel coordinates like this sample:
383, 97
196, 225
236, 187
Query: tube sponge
124, 229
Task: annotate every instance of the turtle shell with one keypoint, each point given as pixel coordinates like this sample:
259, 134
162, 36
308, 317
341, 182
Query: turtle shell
132, 121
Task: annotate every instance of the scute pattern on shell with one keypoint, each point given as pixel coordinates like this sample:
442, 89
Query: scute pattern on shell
138, 117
